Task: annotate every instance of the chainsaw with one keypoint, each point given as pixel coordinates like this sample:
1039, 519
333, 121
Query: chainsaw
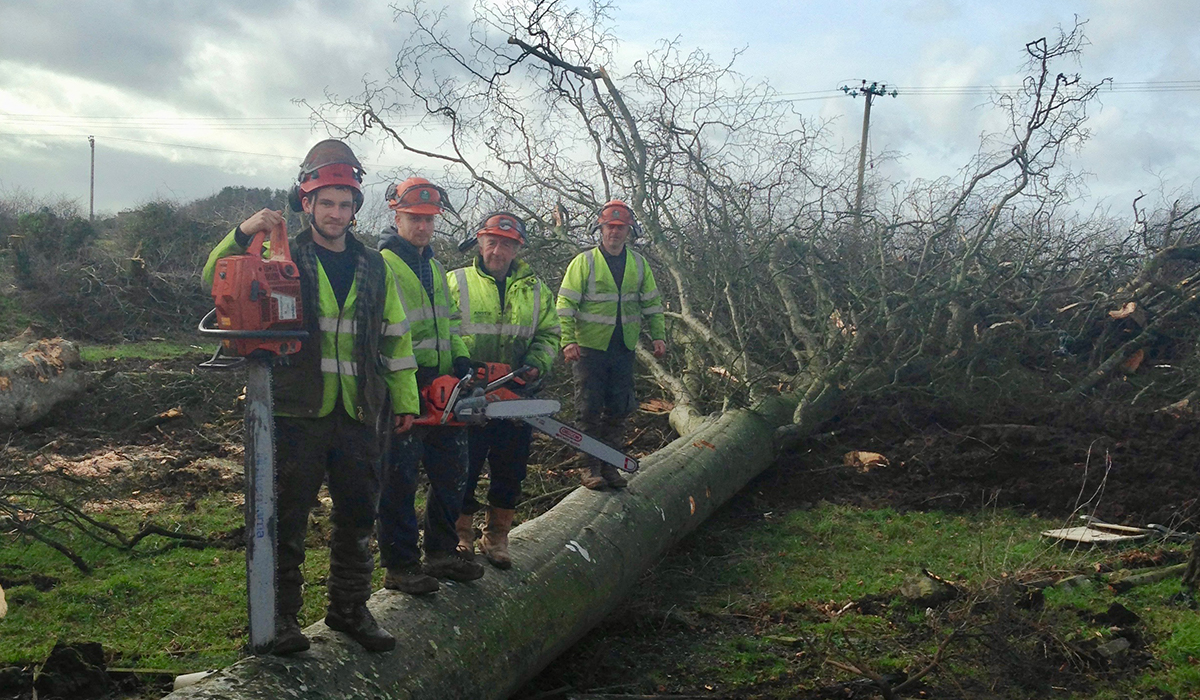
493, 391
259, 318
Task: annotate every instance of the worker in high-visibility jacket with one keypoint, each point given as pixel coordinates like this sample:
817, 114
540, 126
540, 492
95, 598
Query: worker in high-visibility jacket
507, 316
605, 294
439, 349
329, 397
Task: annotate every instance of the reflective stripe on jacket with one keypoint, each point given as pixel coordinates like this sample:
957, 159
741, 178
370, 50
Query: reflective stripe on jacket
524, 332
436, 338
333, 330
587, 301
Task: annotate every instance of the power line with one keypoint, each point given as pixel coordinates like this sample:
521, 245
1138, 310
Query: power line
292, 158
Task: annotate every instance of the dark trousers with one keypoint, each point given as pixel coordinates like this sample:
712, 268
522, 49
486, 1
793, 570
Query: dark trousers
307, 450
604, 393
444, 453
504, 445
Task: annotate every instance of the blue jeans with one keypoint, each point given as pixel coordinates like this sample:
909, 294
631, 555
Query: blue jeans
444, 453
504, 445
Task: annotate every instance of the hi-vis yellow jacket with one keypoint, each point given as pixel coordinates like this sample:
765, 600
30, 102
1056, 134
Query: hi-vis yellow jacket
334, 330
524, 332
436, 338
587, 301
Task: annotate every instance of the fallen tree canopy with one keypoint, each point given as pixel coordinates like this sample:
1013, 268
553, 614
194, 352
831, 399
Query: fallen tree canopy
572, 566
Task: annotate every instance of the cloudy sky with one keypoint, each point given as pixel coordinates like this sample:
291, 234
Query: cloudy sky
185, 97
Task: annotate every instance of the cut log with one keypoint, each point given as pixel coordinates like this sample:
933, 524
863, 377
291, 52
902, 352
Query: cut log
36, 374
571, 567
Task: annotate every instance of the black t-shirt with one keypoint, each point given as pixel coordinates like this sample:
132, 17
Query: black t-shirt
616, 265
339, 268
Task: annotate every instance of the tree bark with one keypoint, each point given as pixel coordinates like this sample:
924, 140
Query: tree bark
571, 567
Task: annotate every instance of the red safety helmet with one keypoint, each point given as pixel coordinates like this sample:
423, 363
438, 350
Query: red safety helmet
616, 212
416, 195
502, 223
328, 163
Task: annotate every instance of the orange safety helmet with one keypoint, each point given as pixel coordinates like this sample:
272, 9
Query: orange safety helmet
329, 163
616, 212
502, 223
416, 195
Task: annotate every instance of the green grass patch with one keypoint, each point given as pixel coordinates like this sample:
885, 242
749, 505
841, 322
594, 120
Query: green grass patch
160, 606
145, 350
804, 568
838, 552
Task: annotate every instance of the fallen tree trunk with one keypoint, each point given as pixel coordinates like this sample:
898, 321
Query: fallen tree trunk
571, 567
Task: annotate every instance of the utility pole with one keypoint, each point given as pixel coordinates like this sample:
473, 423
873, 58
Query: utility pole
92, 186
869, 92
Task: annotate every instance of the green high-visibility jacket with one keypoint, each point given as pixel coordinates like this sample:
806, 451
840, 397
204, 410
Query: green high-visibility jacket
524, 332
435, 329
333, 329
587, 301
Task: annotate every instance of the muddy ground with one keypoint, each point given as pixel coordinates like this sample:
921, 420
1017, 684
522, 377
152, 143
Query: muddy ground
1121, 465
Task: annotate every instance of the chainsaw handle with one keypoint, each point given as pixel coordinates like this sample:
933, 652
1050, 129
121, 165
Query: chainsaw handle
206, 327
279, 243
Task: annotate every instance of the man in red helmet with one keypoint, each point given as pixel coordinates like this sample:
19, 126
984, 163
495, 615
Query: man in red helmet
507, 316
439, 349
330, 397
605, 294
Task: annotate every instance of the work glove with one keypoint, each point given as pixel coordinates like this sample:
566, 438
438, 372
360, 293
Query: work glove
462, 365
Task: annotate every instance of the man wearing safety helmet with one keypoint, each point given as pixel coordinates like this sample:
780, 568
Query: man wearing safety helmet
330, 396
507, 316
605, 294
439, 349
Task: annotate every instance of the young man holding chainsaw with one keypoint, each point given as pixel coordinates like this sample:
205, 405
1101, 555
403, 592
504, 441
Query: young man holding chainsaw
508, 317
331, 396
439, 350
605, 294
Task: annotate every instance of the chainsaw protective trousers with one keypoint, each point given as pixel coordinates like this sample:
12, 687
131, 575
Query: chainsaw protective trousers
443, 450
347, 452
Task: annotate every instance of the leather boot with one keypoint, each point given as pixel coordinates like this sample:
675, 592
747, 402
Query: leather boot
465, 528
494, 543
612, 476
593, 479
410, 579
359, 624
289, 638
453, 566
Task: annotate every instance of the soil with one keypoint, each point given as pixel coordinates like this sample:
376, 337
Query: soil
1118, 464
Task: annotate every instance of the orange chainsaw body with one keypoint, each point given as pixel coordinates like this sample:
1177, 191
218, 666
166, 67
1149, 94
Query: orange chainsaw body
256, 294
436, 395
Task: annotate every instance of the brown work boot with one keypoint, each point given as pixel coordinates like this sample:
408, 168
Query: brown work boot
359, 624
593, 479
453, 566
494, 543
289, 638
410, 579
613, 477
466, 536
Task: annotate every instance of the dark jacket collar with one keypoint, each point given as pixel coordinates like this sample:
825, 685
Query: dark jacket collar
407, 251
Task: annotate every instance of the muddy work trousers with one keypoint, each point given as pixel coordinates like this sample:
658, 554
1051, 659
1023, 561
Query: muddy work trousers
504, 446
604, 397
309, 450
443, 451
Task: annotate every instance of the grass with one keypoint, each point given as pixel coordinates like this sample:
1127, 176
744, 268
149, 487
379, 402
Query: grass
785, 582
794, 574
157, 607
